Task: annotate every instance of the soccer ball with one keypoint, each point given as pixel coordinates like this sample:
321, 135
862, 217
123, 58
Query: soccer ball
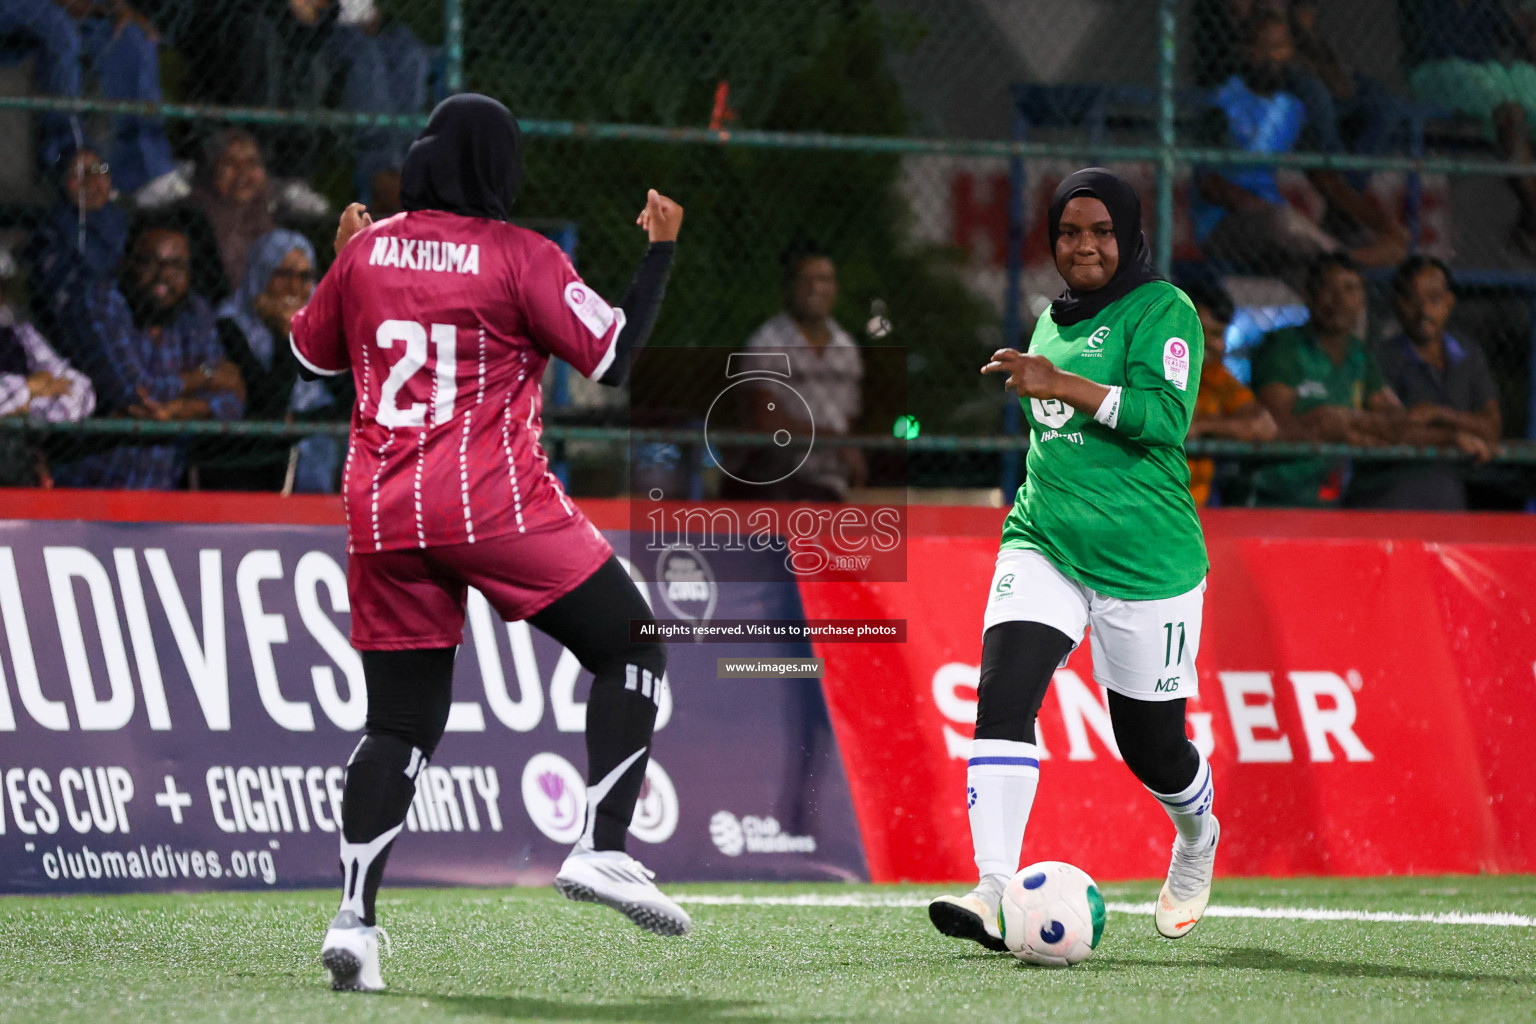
1051, 914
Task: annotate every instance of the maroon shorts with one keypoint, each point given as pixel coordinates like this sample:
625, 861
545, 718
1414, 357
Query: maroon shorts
414, 598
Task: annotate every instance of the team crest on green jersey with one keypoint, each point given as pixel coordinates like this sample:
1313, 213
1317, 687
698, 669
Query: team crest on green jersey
1096, 340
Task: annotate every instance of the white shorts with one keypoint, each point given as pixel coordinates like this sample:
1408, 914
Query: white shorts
1141, 649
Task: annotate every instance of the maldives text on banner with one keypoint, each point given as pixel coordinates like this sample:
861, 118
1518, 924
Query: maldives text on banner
178, 701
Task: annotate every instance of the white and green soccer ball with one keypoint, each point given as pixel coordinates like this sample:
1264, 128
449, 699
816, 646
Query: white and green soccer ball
1051, 914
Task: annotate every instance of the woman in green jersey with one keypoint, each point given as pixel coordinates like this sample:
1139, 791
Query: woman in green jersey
1103, 534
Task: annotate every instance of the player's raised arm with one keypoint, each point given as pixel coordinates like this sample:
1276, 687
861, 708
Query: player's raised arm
1162, 375
573, 322
1155, 404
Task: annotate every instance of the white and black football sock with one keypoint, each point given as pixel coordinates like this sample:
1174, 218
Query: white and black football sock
1153, 741
1000, 782
593, 622
1190, 808
409, 697
1017, 660
381, 780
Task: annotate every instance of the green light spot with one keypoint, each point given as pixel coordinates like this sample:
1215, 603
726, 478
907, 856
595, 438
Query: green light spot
906, 427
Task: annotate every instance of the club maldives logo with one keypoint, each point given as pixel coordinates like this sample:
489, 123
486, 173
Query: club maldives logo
656, 811
725, 831
734, 836
554, 794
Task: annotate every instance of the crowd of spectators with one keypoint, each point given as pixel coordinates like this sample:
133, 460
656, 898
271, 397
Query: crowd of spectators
1320, 381
160, 283
1275, 83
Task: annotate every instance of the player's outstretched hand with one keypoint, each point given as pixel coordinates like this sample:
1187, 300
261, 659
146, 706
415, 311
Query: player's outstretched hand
353, 219
1028, 376
661, 218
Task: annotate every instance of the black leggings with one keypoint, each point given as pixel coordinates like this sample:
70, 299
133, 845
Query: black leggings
410, 692
1017, 661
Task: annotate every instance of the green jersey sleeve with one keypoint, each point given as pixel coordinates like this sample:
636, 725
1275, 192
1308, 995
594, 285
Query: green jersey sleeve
1162, 373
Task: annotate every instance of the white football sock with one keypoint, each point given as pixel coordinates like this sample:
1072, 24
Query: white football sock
1190, 808
1000, 781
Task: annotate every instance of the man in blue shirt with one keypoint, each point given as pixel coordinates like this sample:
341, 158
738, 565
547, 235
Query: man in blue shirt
1446, 388
150, 347
1239, 213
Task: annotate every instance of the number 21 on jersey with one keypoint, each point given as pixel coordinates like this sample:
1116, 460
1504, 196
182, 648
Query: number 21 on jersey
413, 336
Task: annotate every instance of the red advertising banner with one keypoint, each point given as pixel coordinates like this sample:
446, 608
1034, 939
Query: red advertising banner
1367, 695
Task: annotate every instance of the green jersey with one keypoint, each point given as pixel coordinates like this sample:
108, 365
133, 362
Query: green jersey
1110, 505
1292, 356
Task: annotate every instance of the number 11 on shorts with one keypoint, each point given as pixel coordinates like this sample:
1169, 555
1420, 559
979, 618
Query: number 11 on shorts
1168, 655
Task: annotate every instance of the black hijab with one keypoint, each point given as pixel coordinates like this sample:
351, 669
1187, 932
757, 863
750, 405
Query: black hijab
1135, 267
468, 160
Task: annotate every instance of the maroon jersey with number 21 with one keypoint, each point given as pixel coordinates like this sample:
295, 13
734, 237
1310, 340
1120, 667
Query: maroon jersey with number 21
446, 323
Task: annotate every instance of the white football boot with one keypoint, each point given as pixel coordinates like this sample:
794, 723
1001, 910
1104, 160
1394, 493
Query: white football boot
1188, 888
615, 879
972, 916
351, 953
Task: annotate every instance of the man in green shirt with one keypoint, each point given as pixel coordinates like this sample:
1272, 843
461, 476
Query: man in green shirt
1321, 383
1103, 537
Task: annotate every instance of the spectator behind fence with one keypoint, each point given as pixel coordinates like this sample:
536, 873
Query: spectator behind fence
1472, 56
148, 343
1224, 407
79, 243
254, 324
826, 370
119, 47
1368, 113
313, 54
1370, 117
268, 53
240, 204
1240, 215
386, 72
1444, 383
1321, 383
40, 385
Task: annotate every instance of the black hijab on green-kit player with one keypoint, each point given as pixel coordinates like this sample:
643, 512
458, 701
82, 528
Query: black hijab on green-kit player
1135, 269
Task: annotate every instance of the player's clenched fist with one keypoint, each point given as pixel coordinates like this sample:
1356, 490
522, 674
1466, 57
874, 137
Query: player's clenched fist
1028, 376
661, 218
353, 219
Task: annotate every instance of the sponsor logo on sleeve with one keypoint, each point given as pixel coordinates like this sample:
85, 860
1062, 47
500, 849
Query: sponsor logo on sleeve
1176, 363
595, 314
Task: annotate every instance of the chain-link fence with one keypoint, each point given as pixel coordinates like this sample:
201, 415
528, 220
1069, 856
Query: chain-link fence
174, 170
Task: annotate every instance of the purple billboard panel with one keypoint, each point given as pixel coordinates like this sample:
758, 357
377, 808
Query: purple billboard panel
177, 703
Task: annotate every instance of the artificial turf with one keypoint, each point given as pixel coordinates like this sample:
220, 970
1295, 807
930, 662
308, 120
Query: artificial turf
525, 954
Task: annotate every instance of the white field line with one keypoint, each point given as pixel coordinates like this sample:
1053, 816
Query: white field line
1260, 913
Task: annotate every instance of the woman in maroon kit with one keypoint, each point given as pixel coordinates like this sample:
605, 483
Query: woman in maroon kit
445, 316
